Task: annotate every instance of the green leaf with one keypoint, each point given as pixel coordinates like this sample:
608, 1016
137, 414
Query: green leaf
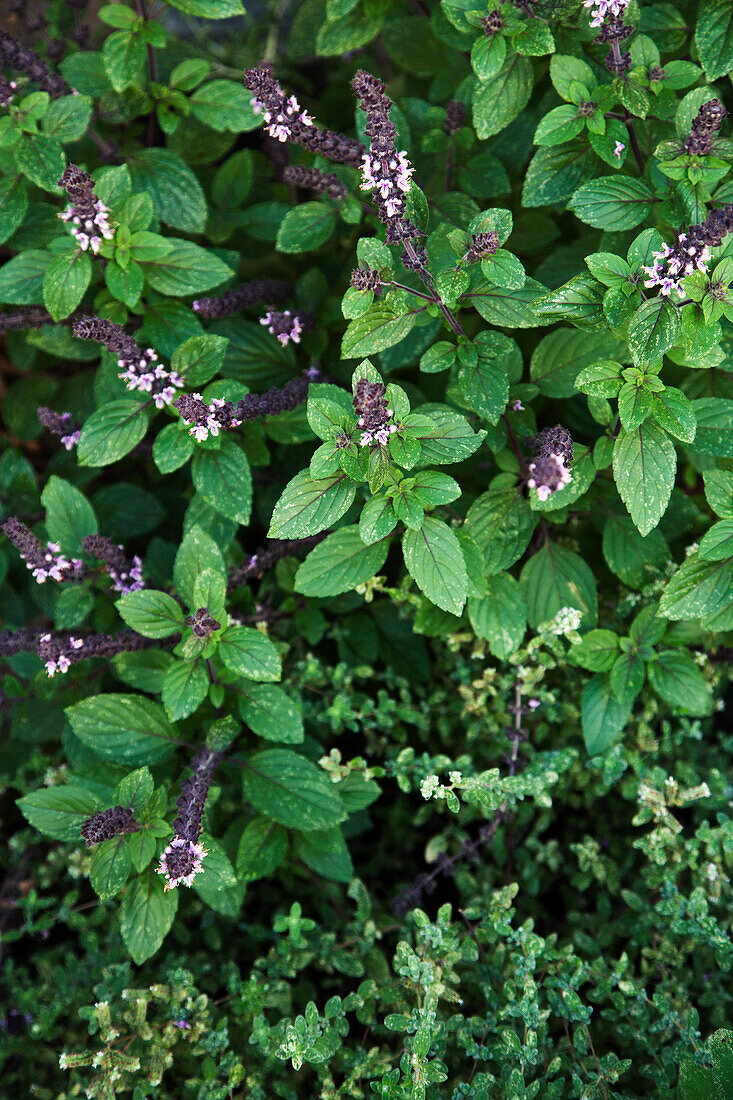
69, 515
717, 543
249, 653
185, 686
613, 202
111, 865
374, 331
714, 37
674, 412
310, 505
434, 560
21, 278
177, 195
719, 492
676, 677
632, 556
124, 284
487, 56
306, 227
224, 480
603, 715
597, 652
146, 915
721, 1049
186, 269
289, 789
499, 101
41, 159
224, 105
325, 852
65, 282
504, 307
559, 125
555, 578
128, 729
340, 563
501, 524
485, 384
714, 435
197, 553
172, 448
13, 206
271, 713
566, 70
627, 677
150, 613
561, 355
135, 789
262, 847
444, 437
59, 812
700, 590
644, 465
199, 358
500, 616
696, 1082
111, 432
67, 117
653, 330
124, 58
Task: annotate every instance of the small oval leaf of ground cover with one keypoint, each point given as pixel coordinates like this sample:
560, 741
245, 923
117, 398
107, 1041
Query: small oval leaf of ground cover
111, 432
434, 559
59, 812
146, 915
150, 613
340, 563
288, 788
644, 465
306, 227
224, 480
613, 203
310, 505
271, 713
128, 729
249, 653
177, 195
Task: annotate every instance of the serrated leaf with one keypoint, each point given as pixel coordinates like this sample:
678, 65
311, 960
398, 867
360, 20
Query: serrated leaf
340, 563
434, 559
644, 465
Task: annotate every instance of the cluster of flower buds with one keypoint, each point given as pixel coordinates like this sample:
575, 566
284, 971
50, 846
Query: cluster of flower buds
61, 424
311, 179
552, 454
705, 126
482, 244
125, 573
24, 60
88, 215
365, 278
455, 117
373, 415
384, 169
257, 292
492, 23
18, 641
8, 89
55, 654
102, 826
266, 556
182, 859
226, 416
140, 369
286, 121
202, 623
44, 561
689, 253
28, 317
285, 326
601, 9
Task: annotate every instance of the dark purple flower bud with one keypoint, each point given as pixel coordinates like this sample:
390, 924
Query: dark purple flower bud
285, 326
225, 416
373, 415
87, 215
555, 440
455, 117
44, 561
311, 179
202, 623
365, 278
492, 23
125, 573
28, 317
60, 424
257, 292
19, 641
656, 74
286, 121
118, 821
482, 244
265, 557
705, 126
24, 60
139, 369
